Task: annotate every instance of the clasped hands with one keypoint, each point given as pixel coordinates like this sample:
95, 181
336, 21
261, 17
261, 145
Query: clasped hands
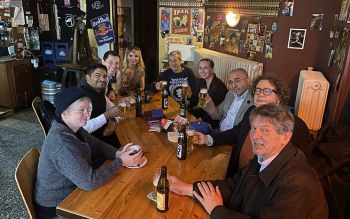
209, 196
127, 159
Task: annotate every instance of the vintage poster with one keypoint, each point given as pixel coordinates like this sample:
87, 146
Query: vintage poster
181, 21
198, 19
213, 28
255, 42
232, 37
103, 29
165, 21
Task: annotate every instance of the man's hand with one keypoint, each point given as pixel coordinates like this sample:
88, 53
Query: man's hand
112, 112
111, 96
210, 197
200, 138
179, 187
158, 85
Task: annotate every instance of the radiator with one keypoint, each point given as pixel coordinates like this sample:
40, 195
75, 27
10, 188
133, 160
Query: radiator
311, 98
225, 63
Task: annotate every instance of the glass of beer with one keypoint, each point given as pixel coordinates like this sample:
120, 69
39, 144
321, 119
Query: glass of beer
184, 89
190, 136
122, 110
156, 175
202, 96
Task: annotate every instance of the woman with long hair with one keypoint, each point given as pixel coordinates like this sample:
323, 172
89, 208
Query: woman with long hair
133, 73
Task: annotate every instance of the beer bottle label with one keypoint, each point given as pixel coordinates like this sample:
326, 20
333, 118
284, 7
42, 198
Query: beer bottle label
165, 103
179, 151
161, 201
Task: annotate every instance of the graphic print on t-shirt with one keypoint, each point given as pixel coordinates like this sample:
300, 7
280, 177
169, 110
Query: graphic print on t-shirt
175, 87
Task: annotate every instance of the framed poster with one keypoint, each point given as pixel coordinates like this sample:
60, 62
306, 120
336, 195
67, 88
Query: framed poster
296, 38
181, 21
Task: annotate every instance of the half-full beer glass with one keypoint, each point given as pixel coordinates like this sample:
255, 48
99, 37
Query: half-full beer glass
184, 90
202, 96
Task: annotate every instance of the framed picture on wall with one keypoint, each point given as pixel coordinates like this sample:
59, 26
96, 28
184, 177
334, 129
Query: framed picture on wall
296, 38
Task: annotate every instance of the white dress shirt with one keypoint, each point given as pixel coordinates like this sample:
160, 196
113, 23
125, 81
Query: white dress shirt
97, 122
228, 122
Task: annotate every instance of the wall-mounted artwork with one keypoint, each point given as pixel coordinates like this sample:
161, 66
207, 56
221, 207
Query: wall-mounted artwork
181, 21
197, 19
165, 22
232, 38
316, 22
296, 38
287, 8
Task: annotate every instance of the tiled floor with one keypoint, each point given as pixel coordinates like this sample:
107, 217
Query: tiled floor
18, 133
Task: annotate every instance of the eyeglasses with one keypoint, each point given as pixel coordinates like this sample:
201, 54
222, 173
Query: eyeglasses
264, 91
82, 111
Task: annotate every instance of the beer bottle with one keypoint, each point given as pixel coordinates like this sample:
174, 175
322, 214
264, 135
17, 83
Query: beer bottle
164, 97
163, 191
138, 103
183, 108
182, 144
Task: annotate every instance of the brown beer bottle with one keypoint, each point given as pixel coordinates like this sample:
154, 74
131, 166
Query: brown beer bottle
164, 97
182, 144
163, 191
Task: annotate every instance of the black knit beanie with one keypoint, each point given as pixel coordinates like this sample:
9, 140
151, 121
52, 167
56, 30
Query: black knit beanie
66, 97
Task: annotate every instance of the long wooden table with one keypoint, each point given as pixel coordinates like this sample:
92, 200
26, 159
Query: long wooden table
125, 195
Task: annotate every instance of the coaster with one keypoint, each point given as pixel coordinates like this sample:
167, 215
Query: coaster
150, 196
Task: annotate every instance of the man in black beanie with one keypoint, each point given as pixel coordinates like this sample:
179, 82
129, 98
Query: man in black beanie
101, 124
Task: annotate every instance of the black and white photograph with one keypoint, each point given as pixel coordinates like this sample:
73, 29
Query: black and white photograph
316, 22
296, 38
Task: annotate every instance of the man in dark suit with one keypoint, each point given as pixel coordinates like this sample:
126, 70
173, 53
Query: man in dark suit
275, 181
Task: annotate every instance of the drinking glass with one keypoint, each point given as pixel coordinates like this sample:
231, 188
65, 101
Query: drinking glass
202, 95
156, 175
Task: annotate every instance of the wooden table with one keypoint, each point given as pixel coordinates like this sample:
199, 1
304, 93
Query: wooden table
125, 195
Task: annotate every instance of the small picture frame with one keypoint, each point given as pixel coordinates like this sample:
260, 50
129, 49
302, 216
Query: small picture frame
296, 38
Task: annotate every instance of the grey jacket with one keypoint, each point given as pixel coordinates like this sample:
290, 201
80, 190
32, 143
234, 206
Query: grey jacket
220, 112
65, 163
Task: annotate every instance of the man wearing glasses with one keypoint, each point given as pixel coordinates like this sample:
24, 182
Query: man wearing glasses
101, 124
265, 90
236, 102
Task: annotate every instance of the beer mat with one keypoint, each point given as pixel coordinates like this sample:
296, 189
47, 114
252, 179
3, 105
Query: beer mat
142, 163
150, 196
173, 136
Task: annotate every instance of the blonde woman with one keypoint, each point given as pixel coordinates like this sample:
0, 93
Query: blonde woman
133, 73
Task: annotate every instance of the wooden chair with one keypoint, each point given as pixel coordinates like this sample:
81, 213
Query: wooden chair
35, 106
25, 178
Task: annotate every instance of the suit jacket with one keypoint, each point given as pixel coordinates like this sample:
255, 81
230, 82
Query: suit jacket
287, 188
220, 112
